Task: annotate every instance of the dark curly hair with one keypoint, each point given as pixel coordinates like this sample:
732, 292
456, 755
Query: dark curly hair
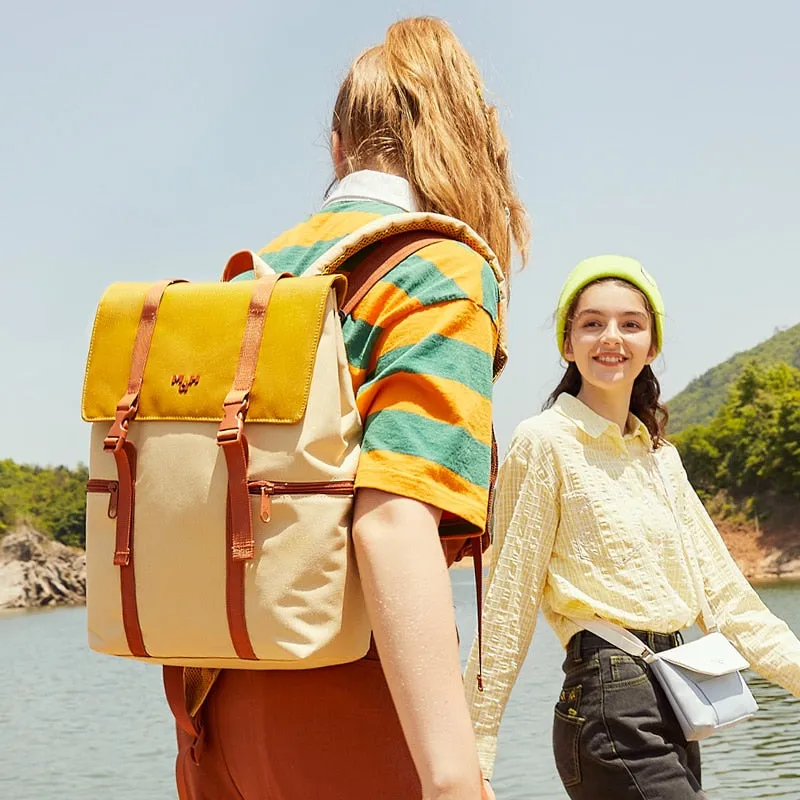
646, 395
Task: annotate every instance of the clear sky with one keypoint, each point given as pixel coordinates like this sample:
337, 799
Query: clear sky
153, 139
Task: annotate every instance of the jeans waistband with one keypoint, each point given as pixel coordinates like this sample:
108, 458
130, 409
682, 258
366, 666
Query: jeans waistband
584, 642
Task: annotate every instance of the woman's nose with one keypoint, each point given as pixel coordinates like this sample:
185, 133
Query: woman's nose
611, 333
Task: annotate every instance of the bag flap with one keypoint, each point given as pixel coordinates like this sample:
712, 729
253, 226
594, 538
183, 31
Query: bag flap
710, 655
195, 349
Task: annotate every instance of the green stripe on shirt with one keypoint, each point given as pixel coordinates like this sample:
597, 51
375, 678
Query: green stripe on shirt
441, 357
447, 445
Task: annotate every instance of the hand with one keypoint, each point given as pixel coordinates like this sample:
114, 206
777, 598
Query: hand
488, 792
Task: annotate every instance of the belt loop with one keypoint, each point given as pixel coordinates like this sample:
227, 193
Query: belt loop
651, 640
576, 646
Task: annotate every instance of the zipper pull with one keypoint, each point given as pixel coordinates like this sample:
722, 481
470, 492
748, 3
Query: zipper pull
113, 499
266, 503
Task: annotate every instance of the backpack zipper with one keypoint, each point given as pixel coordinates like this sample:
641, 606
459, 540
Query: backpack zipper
264, 488
268, 488
103, 485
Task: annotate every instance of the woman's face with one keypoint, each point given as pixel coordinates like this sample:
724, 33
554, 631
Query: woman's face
611, 337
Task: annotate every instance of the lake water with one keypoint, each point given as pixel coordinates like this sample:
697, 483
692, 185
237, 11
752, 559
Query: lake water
79, 726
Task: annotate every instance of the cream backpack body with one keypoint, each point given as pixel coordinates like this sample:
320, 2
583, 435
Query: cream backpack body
225, 441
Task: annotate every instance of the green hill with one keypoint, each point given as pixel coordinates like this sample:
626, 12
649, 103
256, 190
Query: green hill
704, 396
51, 500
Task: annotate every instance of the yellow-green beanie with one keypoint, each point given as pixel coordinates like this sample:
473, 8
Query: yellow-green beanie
598, 267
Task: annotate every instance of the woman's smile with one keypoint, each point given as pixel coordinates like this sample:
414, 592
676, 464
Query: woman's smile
610, 359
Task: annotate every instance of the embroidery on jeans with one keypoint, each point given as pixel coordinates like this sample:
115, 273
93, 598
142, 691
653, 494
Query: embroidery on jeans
570, 700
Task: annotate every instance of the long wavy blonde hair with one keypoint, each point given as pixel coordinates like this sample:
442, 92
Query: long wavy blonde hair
415, 106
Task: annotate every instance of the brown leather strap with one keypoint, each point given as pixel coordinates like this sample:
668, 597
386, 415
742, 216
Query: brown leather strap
479, 544
234, 592
176, 698
238, 264
382, 258
477, 563
129, 402
240, 543
237, 399
229, 435
125, 459
492, 481
127, 408
116, 442
378, 262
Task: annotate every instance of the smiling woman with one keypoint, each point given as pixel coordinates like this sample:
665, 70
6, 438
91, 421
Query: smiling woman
609, 328
611, 339
597, 523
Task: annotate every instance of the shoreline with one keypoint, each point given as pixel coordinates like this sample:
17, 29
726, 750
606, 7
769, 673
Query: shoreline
37, 573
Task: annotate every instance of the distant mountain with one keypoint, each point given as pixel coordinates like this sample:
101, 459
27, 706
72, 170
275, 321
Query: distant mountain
703, 397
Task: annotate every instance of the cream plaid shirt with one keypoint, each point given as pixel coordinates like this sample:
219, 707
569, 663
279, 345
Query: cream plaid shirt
584, 527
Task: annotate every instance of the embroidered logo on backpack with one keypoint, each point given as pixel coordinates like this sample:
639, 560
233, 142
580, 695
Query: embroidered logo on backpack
184, 383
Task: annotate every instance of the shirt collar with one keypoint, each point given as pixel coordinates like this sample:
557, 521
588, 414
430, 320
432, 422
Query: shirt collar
369, 184
592, 424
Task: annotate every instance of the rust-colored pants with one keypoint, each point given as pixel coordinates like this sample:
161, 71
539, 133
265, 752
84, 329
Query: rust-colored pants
322, 734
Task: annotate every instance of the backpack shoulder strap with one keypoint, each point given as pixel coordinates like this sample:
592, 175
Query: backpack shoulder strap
434, 225
245, 261
382, 259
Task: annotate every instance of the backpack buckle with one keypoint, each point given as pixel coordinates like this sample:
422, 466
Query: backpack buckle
235, 410
127, 409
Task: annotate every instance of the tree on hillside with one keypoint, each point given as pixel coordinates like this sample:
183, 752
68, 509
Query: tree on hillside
50, 499
752, 446
700, 401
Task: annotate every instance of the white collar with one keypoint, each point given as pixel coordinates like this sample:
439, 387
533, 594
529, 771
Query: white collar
368, 184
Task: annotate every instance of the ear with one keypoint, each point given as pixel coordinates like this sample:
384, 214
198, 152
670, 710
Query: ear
338, 156
569, 353
651, 355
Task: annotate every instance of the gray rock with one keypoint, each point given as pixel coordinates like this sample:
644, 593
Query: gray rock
36, 572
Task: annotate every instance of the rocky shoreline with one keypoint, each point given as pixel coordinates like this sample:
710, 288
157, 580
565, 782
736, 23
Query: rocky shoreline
763, 557
36, 572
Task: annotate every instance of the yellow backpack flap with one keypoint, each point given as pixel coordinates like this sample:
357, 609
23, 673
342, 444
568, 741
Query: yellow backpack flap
195, 349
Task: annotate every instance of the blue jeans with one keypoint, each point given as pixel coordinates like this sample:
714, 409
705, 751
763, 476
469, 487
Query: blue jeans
615, 735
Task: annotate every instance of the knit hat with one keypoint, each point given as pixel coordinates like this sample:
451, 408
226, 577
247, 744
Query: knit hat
599, 267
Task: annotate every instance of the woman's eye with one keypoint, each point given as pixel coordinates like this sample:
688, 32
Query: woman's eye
633, 325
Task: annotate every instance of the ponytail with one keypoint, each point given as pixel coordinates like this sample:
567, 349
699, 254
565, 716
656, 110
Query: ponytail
415, 106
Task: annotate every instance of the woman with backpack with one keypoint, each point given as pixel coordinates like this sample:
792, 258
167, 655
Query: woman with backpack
597, 524
411, 132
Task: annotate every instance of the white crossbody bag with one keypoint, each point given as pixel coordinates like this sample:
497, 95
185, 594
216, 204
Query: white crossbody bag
701, 679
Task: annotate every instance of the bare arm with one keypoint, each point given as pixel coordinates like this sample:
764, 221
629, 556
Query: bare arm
411, 608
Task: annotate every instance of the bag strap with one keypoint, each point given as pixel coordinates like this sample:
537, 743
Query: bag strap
618, 636
240, 542
706, 613
390, 225
125, 456
245, 261
377, 263
382, 259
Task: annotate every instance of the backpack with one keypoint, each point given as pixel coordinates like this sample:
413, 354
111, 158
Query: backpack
224, 446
